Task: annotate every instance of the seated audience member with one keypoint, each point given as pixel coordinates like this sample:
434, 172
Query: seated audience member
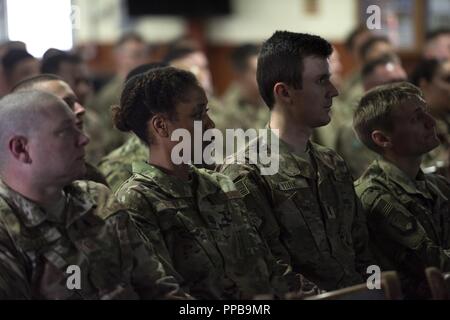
194, 218
433, 78
407, 210
61, 238
55, 85
17, 65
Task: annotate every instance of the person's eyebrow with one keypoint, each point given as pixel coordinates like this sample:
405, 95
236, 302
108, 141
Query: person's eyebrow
326, 75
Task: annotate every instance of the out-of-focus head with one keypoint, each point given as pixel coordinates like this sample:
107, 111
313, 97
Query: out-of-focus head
71, 68
375, 47
131, 50
244, 61
355, 40
336, 68
384, 70
18, 64
437, 45
188, 56
433, 78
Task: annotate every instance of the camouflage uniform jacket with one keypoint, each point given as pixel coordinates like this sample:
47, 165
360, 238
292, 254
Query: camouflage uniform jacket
36, 250
409, 220
438, 159
310, 218
200, 229
116, 166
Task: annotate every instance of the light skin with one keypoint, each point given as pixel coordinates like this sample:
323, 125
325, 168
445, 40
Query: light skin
247, 81
161, 126
129, 55
62, 90
197, 63
297, 111
383, 74
437, 91
412, 136
48, 158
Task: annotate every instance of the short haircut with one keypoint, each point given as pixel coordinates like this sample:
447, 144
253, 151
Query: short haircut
12, 58
374, 111
239, 57
369, 43
156, 91
281, 60
350, 41
426, 69
52, 60
369, 67
31, 82
21, 113
437, 33
129, 36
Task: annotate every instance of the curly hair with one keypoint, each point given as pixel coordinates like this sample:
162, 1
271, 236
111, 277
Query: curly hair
155, 91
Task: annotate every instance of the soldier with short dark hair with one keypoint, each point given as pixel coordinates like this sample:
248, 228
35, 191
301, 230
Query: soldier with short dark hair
407, 211
194, 218
51, 224
309, 213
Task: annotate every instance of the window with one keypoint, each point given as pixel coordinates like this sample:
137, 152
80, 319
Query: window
40, 24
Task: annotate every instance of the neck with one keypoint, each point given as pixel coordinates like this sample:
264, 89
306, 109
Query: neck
34, 191
409, 165
292, 133
162, 160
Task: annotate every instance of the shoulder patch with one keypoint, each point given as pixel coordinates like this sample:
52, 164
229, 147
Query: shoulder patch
242, 188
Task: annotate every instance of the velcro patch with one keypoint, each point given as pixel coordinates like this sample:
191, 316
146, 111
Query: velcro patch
293, 184
242, 188
233, 195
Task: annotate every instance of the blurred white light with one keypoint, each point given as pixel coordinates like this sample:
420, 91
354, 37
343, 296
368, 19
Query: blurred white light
40, 24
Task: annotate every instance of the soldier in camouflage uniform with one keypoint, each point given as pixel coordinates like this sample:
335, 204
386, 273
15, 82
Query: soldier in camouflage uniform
195, 218
53, 84
386, 69
242, 106
309, 212
433, 78
407, 211
116, 166
50, 224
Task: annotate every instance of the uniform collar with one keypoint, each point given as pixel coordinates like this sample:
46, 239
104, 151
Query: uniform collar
78, 203
169, 184
402, 180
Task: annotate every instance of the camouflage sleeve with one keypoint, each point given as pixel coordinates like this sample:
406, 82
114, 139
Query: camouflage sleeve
148, 229
147, 274
360, 237
115, 172
406, 239
13, 279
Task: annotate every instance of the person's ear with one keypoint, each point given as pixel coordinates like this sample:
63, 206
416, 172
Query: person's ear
158, 125
18, 147
381, 139
282, 93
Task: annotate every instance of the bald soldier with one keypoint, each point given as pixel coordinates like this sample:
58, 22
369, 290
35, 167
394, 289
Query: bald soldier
407, 211
51, 224
55, 85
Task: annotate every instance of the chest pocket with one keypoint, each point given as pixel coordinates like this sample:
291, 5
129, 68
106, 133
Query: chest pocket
297, 213
185, 236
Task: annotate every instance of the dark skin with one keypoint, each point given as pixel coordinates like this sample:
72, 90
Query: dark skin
161, 127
